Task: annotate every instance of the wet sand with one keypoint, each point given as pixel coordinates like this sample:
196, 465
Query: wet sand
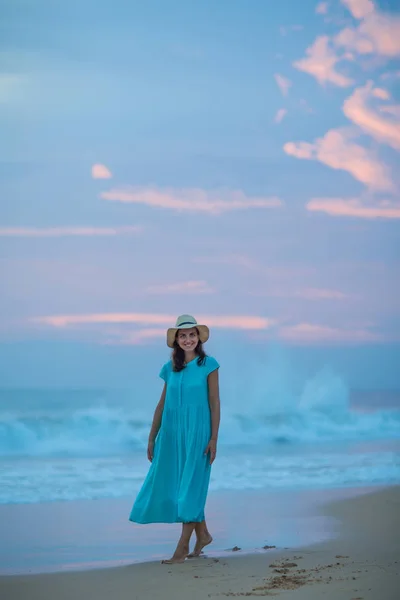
361, 563
91, 534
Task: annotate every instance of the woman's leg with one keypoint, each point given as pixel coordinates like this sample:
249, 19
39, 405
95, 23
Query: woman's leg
182, 549
203, 538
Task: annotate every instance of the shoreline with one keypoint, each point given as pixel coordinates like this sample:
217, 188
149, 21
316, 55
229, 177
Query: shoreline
361, 562
95, 534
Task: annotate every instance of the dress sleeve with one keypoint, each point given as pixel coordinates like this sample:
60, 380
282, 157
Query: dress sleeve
164, 372
211, 365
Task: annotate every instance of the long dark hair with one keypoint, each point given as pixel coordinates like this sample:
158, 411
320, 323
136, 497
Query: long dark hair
178, 355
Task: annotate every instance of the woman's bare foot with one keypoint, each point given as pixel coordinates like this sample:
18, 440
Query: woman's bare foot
201, 542
180, 554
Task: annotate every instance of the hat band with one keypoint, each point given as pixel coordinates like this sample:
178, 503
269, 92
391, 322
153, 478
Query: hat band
186, 323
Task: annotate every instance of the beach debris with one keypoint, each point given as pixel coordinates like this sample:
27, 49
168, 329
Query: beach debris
287, 577
284, 582
284, 571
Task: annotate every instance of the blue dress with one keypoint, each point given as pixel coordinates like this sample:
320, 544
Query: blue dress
175, 489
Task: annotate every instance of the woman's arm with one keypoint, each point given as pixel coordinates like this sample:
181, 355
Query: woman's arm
215, 410
156, 424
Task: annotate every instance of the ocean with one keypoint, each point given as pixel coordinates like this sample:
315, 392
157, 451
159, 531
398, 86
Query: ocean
65, 445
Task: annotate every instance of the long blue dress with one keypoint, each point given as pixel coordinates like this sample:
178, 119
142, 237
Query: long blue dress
176, 486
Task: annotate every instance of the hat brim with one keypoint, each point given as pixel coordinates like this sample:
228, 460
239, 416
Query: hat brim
204, 333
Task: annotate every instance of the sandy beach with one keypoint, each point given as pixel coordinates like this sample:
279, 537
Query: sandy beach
361, 563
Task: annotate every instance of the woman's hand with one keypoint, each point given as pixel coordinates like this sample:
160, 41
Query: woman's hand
150, 450
212, 450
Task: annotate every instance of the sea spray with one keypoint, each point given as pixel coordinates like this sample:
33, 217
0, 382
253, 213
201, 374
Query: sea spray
259, 408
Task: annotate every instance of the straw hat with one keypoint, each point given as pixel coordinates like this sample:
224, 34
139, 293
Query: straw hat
187, 322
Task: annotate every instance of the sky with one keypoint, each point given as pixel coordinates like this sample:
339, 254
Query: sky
235, 160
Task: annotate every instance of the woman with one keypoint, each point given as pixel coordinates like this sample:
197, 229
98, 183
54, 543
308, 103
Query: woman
183, 440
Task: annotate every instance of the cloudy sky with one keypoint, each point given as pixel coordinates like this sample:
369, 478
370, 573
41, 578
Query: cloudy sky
237, 160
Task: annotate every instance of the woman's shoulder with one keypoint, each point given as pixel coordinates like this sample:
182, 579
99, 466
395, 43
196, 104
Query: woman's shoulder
166, 370
210, 360
211, 364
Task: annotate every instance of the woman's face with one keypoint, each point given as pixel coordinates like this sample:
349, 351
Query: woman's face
187, 339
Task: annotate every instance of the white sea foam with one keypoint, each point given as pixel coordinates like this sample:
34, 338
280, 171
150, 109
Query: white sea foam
264, 412
30, 480
70, 445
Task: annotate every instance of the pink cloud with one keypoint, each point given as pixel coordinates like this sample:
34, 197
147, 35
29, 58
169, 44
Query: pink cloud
305, 106
322, 8
101, 172
390, 75
184, 287
370, 120
321, 61
46, 232
381, 93
148, 319
337, 151
339, 207
303, 150
192, 199
283, 84
133, 338
237, 322
230, 259
359, 8
280, 115
309, 333
393, 109
377, 33
110, 318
